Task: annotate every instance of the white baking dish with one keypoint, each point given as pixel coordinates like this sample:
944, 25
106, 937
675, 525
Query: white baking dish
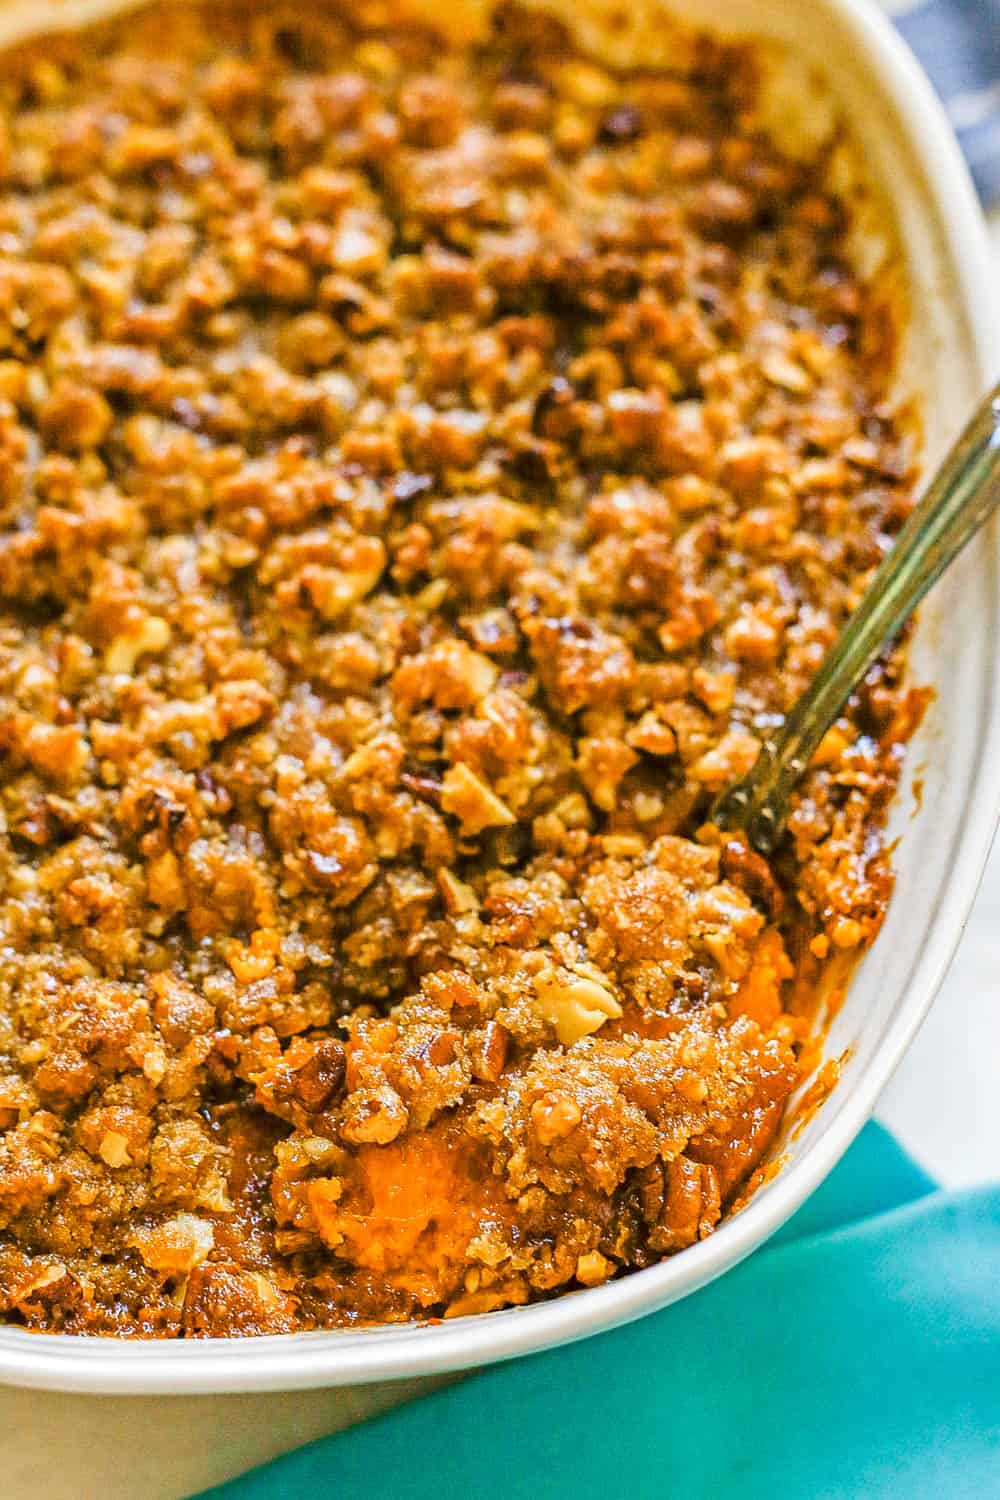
916, 170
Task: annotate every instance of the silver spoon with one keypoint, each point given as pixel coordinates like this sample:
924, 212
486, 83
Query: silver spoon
960, 498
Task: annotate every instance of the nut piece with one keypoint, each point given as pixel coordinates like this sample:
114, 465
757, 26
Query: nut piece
586, 85
831, 747
782, 371
256, 960
462, 677
847, 933
241, 704
488, 1060
727, 761
323, 1195
472, 802
575, 1004
594, 1268
164, 882
49, 1275
653, 735
147, 639
74, 417
715, 689
114, 1149
753, 638
176, 1246
374, 1117
449, 675
602, 763
356, 252
458, 897
554, 1117
333, 591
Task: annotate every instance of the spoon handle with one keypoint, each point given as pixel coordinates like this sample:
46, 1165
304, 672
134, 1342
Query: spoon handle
961, 497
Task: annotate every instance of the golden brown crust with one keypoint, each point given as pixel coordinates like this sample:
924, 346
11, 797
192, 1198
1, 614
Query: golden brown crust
423, 473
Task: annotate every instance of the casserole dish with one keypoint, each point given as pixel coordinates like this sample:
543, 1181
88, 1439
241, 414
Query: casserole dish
931, 257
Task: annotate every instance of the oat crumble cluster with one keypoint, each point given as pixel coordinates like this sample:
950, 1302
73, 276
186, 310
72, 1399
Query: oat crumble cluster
424, 472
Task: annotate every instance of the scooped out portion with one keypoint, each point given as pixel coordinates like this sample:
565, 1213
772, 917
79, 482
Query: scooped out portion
425, 472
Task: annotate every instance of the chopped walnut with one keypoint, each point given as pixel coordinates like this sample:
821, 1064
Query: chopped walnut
374, 1116
653, 735
151, 636
727, 761
114, 1149
458, 896
593, 1269
553, 1117
576, 1004
471, 801
176, 1246
333, 590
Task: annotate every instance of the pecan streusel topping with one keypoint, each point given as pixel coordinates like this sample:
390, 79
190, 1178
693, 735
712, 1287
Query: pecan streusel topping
424, 472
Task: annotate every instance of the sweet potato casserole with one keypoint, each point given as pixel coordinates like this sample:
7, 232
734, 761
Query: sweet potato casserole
425, 470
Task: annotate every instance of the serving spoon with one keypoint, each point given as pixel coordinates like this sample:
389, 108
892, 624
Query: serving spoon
962, 495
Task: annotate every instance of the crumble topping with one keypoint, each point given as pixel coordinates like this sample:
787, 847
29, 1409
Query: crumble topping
424, 474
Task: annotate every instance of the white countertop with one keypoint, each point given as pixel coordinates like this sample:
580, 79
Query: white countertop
943, 1104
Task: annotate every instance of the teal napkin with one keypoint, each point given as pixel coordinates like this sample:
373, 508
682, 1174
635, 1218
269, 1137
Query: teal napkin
856, 1355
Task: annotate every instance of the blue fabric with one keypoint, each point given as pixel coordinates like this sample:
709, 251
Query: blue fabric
958, 42
855, 1357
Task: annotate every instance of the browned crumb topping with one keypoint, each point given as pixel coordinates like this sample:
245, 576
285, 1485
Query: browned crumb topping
423, 473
